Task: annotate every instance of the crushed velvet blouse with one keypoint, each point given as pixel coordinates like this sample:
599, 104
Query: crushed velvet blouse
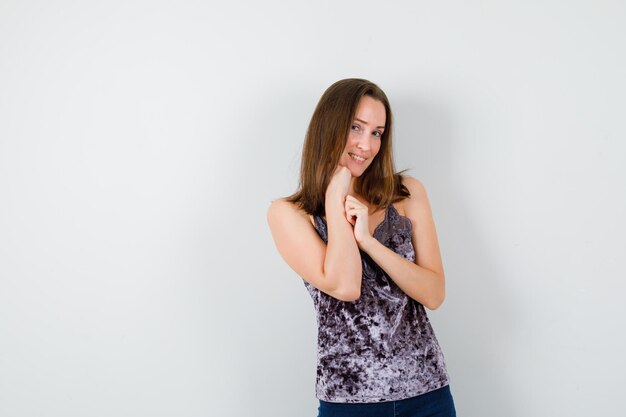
380, 347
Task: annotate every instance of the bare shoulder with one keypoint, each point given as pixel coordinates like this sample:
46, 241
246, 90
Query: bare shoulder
283, 211
415, 187
417, 197
280, 206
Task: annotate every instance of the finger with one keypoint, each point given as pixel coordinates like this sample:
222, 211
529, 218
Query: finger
354, 202
357, 209
340, 167
352, 198
352, 212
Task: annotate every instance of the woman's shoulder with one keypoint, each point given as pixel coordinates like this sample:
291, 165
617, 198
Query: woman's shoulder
414, 185
282, 208
416, 190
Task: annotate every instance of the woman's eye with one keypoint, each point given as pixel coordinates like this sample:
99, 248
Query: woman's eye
377, 134
355, 127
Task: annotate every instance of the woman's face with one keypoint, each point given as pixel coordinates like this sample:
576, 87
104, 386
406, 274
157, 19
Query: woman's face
365, 136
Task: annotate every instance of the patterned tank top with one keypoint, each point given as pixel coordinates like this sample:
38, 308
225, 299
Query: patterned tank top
380, 347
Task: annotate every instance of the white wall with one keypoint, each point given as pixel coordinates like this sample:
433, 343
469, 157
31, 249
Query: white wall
141, 143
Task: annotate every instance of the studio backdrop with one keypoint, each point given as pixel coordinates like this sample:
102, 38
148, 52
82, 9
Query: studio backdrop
142, 142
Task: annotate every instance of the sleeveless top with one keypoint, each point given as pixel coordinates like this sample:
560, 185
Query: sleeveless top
380, 347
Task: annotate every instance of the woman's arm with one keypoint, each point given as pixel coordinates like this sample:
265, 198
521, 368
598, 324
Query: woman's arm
334, 268
343, 260
424, 280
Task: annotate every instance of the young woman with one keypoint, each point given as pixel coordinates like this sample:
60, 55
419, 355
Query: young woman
363, 239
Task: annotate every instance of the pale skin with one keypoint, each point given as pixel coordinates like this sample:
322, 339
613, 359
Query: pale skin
335, 268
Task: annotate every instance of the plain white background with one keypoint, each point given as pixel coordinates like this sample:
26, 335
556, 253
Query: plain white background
141, 143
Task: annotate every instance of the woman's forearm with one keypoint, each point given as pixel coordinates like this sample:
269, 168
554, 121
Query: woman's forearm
342, 264
421, 284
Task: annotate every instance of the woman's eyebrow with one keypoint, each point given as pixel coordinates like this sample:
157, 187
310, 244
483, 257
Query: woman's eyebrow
363, 121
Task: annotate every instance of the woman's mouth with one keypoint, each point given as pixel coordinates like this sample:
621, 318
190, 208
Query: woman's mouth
356, 158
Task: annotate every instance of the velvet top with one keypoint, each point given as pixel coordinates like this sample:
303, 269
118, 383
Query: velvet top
380, 347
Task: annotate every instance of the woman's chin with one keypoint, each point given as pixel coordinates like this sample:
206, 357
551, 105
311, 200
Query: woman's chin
357, 171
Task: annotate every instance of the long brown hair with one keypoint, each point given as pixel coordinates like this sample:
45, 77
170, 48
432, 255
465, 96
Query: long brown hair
325, 141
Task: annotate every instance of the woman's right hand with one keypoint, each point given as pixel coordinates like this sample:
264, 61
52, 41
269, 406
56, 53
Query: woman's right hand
340, 183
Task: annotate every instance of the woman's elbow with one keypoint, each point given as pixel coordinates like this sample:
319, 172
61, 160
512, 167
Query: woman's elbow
346, 291
433, 303
348, 294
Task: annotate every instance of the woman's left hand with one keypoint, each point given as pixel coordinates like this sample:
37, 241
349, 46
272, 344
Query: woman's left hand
357, 214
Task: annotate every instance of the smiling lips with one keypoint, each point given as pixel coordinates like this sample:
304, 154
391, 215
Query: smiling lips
356, 158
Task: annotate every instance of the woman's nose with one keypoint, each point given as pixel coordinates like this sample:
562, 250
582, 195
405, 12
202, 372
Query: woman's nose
364, 144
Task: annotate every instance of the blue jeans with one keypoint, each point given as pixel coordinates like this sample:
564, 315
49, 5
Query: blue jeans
437, 403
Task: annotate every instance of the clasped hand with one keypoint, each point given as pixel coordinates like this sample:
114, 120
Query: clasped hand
357, 215
356, 212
